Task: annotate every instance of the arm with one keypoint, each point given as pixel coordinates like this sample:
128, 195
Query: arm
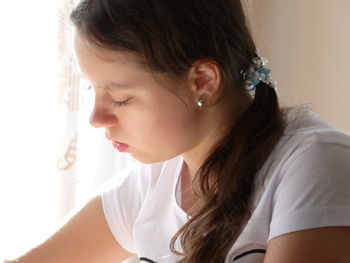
319, 245
85, 238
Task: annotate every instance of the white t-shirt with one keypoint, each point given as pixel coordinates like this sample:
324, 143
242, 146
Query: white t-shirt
304, 184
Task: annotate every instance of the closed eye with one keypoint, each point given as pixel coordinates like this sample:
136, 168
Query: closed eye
121, 103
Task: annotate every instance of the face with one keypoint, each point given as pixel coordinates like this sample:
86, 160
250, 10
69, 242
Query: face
134, 108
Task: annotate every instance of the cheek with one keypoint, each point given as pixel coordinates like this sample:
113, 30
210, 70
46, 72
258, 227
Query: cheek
160, 119
168, 122
173, 128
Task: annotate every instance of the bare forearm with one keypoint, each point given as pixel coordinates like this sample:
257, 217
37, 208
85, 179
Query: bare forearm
76, 241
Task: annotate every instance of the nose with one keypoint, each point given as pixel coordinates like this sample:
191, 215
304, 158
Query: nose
102, 114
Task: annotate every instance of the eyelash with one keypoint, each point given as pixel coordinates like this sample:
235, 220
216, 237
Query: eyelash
115, 103
120, 103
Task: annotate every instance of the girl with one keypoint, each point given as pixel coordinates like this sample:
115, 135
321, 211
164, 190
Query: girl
225, 174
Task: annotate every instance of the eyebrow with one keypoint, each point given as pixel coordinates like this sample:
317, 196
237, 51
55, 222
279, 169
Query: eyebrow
114, 86
109, 85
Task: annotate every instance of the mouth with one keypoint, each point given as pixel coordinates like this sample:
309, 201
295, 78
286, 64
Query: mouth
117, 145
121, 147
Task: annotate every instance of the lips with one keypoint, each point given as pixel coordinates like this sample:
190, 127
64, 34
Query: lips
118, 145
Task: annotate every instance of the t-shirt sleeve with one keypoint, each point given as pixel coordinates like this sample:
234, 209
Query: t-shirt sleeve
314, 190
122, 200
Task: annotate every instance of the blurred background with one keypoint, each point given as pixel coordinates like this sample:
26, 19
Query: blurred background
51, 160
307, 44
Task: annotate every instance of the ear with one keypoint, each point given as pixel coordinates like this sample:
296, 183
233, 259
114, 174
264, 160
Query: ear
204, 79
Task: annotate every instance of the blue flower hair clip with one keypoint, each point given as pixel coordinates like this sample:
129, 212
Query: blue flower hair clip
258, 72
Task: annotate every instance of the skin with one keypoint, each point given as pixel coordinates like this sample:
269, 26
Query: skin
156, 132
319, 245
84, 238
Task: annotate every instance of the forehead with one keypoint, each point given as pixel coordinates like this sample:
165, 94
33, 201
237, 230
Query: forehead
100, 66
94, 53
94, 61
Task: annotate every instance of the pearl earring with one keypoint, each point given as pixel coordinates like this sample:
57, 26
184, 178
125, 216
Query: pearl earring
201, 101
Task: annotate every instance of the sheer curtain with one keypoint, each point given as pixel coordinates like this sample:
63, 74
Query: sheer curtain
52, 160
87, 159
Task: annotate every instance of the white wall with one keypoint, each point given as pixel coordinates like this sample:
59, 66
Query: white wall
308, 45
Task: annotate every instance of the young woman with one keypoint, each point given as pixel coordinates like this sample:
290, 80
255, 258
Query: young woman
225, 174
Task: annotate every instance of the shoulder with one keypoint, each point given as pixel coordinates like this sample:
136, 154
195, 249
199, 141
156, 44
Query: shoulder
308, 134
306, 126
309, 194
307, 141
312, 142
306, 183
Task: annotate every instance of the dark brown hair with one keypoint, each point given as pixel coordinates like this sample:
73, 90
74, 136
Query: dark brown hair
170, 35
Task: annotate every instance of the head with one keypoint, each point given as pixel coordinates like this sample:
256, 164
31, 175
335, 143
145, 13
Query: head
166, 58
163, 56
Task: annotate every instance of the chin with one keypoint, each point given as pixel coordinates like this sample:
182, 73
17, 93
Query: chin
149, 159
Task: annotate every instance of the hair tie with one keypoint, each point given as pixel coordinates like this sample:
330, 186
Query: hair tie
258, 72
